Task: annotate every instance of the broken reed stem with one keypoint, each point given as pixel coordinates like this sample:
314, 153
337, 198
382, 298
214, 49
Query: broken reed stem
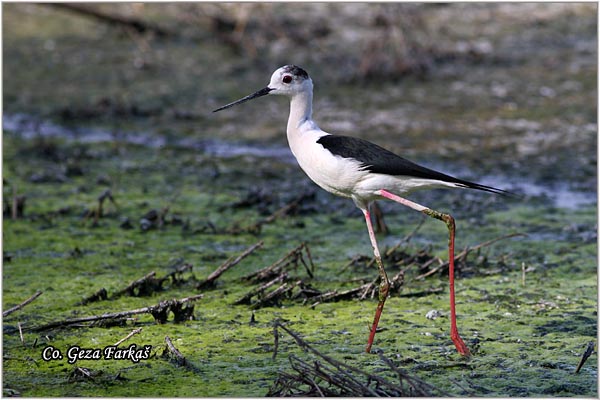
138, 25
413, 382
173, 350
586, 354
284, 288
406, 238
305, 346
283, 210
279, 213
228, 264
23, 304
275, 341
121, 314
133, 332
92, 318
489, 242
248, 296
463, 254
392, 249
292, 256
21, 333
137, 283
180, 358
345, 382
101, 294
312, 265
178, 270
342, 378
353, 261
14, 203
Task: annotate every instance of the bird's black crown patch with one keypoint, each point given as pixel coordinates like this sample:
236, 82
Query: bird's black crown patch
296, 71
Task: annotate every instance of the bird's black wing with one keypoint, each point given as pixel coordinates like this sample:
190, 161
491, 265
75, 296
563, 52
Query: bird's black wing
378, 160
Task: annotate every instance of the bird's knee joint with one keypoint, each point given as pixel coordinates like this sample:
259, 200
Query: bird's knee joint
384, 289
447, 218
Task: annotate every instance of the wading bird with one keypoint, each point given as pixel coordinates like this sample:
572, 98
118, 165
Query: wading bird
362, 171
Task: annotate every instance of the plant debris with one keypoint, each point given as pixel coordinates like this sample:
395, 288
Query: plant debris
367, 290
232, 261
15, 208
172, 352
182, 310
461, 259
80, 374
98, 212
325, 376
278, 273
146, 285
292, 259
23, 304
131, 334
287, 209
586, 354
277, 282
100, 295
126, 22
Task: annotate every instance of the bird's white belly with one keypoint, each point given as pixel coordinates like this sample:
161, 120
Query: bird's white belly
334, 174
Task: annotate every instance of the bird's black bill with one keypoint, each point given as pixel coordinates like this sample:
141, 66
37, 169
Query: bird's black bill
260, 93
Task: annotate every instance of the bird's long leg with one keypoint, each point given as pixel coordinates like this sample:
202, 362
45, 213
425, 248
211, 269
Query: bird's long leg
449, 221
384, 284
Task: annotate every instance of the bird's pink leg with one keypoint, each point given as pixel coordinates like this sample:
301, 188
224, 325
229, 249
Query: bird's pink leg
384, 284
449, 221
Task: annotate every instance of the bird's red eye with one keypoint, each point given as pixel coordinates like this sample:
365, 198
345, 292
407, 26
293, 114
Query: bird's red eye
287, 79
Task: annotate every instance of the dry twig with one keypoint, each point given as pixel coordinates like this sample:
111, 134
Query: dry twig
286, 209
21, 333
291, 258
246, 299
159, 312
209, 281
23, 304
144, 286
326, 376
586, 354
462, 256
99, 295
179, 358
133, 332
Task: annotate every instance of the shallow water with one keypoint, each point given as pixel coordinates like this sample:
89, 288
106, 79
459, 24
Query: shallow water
27, 127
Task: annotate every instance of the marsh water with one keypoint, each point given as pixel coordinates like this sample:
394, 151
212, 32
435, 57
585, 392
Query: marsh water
93, 112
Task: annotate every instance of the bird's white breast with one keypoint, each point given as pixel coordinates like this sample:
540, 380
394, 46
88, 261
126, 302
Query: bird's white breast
335, 174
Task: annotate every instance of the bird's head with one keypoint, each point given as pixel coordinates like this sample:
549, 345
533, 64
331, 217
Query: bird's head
288, 80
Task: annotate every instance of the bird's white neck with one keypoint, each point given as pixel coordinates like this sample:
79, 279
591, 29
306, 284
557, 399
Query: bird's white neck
300, 113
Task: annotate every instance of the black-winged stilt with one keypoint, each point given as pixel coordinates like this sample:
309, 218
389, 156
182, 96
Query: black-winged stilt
362, 171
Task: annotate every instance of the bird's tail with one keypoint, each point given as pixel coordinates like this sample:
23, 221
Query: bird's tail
472, 185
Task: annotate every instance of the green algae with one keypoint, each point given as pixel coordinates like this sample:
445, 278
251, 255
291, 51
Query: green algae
531, 335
